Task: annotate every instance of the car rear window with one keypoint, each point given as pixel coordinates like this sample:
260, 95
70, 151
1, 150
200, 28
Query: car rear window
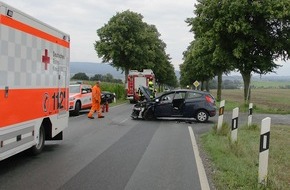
192, 95
179, 95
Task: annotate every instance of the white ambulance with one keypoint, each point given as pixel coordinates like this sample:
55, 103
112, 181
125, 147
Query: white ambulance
80, 97
34, 81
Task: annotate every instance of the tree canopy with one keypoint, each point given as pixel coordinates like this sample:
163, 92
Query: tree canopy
245, 35
128, 43
80, 76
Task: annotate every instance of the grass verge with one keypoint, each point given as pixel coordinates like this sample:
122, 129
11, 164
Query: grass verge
235, 165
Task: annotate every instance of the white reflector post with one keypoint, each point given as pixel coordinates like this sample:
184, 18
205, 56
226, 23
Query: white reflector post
114, 97
264, 150
235, 119
250, 116
221, 115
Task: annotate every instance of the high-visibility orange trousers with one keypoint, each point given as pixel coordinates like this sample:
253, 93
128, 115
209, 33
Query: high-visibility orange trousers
95, 108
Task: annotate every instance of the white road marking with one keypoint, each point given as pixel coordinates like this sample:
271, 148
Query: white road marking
124, 120
200, 168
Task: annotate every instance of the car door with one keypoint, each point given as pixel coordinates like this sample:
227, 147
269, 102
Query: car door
191, 102
164, 107
178, 103
86, 96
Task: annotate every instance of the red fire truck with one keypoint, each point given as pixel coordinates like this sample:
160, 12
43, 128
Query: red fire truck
135, 79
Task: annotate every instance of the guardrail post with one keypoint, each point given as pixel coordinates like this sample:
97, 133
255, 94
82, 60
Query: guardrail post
264, 150
235, 119
221, 115
114, 97
250, 116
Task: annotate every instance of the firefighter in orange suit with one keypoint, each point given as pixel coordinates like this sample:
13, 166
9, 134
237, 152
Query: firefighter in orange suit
96, 101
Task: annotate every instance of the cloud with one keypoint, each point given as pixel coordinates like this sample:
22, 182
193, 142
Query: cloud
81, 19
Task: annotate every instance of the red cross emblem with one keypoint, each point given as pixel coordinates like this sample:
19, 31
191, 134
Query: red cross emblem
45, 59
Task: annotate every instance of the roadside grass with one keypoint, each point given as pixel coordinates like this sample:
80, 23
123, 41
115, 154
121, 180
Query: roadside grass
118, 102
235, 165
116, 88
264, 100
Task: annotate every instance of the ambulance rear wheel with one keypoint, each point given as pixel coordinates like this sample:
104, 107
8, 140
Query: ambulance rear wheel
36, 149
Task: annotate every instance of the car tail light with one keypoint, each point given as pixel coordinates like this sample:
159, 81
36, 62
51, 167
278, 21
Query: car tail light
209, 99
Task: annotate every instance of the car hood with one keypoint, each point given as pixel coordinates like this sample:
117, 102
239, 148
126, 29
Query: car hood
146, 92
73, 94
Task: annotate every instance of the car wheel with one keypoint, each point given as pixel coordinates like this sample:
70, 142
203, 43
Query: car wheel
77, 109
201, 116
36, 149
148, 115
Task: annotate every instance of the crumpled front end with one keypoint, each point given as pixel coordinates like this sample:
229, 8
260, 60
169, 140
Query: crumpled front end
138, 110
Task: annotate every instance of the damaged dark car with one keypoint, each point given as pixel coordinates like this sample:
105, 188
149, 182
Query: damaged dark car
181, 104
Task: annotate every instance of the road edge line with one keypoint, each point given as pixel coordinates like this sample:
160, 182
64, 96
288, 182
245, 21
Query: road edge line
200, 168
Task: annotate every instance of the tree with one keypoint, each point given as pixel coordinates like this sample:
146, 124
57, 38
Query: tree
251, 33
197, 65
108, 77
126, 42
97, 77
205, 54
80, 76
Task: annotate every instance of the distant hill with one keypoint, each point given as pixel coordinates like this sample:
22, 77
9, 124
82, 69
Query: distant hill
92, 69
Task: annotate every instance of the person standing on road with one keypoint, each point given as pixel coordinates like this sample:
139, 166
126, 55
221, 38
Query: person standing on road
151, 88
96, 101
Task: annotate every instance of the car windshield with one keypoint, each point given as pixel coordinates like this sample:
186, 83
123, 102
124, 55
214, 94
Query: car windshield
168, 97
74, 89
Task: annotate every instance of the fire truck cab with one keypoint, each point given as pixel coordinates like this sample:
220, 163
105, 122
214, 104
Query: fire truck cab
135, 79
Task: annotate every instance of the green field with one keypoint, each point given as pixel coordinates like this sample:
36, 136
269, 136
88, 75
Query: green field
270, 84
235, 165
264, 100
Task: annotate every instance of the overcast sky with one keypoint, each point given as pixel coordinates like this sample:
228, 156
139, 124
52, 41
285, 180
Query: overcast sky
81, 18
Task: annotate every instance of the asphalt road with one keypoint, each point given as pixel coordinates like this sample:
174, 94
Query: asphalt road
112, 153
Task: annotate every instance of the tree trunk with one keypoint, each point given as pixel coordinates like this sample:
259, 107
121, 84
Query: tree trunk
202, 86
126, 77
207, 85
247, 92
219, 89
